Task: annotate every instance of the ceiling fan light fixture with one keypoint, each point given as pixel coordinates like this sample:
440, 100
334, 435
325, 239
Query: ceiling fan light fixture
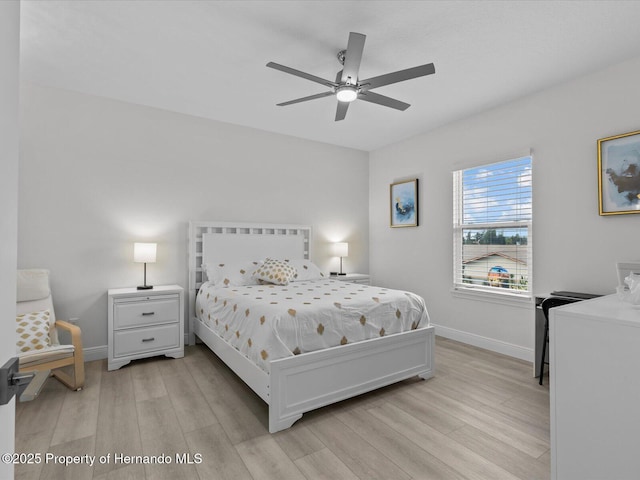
346, 93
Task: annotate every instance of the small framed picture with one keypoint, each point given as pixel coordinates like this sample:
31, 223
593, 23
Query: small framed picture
619, 174
404, 204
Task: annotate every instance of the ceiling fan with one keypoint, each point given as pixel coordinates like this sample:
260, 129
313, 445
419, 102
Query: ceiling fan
348, 87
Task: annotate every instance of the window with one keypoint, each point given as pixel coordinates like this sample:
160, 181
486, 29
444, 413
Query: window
492, 219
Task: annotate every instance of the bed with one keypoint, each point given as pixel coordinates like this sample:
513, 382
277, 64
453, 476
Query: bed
294, 374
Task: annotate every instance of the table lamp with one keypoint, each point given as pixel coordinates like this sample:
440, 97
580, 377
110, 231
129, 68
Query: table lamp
341, 249
144, 253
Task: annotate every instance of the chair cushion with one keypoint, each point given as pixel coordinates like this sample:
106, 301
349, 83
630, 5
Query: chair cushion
34, 295
50, 354
33, 284
33, 331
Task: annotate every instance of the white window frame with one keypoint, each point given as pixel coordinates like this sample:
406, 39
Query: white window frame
482, 292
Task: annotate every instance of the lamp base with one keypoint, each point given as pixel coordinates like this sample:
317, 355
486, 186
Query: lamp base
342, 273
145, 287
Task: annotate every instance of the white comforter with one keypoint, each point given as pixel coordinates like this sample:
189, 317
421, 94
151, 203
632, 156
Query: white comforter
267, 322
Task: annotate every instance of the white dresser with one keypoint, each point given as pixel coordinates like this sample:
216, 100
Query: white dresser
595, 390
145, 323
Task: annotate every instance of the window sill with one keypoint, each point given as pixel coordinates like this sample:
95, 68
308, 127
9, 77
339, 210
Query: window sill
494, 297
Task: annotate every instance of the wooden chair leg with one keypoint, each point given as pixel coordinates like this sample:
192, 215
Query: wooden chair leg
75, 381
78, 367
65, 378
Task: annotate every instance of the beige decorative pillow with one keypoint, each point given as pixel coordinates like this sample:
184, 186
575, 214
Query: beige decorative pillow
33, 331
275, 271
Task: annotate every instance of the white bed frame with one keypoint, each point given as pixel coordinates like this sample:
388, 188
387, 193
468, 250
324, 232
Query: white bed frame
299, 383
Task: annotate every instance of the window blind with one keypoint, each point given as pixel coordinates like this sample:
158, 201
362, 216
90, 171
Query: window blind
493, 227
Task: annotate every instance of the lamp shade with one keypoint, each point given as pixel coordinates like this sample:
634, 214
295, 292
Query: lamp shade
341, 249
144, 252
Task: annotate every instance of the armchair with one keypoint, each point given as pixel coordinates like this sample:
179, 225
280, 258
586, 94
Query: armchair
38, 346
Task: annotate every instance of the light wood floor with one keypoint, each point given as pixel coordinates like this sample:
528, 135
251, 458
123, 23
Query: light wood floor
483, 416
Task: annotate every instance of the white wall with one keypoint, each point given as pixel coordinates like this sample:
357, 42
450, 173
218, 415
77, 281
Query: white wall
574, 248
9, 74
97, 175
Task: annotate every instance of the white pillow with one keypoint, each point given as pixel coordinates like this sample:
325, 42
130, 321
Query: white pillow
307, 270
33, 331
275, 271
226, 274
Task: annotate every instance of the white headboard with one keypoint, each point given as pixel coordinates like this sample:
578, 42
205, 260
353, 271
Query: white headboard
217, 247
229, 241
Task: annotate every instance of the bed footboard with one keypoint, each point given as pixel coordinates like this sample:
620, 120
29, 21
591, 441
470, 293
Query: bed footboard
306, 382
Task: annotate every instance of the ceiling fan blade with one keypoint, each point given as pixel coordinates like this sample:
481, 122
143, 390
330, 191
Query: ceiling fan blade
298, 73
399, 76
304, 99
382, 100
353, 57
341, 111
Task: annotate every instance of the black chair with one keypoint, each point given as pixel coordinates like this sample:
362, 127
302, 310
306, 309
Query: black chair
547, 304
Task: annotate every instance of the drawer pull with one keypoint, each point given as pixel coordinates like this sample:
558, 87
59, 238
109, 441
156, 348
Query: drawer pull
149, 339
144, 314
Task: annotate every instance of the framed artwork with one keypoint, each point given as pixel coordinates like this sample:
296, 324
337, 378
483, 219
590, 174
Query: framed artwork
619, 174
404, 203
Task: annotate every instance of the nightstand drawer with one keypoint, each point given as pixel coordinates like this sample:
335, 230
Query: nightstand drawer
150, 311
141, 340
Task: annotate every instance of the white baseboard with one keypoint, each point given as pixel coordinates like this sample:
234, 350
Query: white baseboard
492, 344
95, 353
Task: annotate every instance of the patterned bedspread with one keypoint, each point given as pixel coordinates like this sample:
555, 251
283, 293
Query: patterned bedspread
267, 322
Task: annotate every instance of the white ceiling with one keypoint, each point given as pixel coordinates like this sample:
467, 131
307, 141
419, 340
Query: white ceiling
207, 58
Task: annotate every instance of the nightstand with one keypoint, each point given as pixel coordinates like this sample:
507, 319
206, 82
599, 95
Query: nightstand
145, 323
362, 278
